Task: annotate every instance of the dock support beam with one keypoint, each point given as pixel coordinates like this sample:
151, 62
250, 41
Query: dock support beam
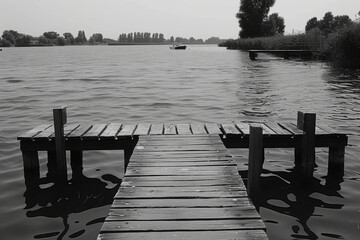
256, 160
31, 169
60, 120
336, 161
306, 147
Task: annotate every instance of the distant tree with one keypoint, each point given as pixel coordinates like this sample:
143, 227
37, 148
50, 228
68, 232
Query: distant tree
9, 37
326, 24
69, 38
22, 40
213, 40
51, 35
97, 38
44, 40
61, 41
273, 25
341, 21
312, 23
251, 16
172, 39
5, 43
130, 37
81, 38
161, 38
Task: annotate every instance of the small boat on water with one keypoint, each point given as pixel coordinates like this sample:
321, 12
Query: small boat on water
178, 47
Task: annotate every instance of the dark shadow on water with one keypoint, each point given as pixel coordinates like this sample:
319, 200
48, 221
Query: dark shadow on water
59, 201
286, 188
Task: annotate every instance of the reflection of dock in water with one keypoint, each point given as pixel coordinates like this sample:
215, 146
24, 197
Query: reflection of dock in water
179, 179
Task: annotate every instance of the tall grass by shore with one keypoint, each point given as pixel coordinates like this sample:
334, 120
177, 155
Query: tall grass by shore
342, 47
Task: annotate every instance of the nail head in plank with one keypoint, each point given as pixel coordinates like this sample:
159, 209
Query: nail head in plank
198, 128
183, 129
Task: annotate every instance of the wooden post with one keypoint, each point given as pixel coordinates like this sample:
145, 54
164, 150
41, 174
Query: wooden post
31, 169
60, 120
51, 164
76, 162
336, 161
256, 158
286, 55
252, 55
307, 123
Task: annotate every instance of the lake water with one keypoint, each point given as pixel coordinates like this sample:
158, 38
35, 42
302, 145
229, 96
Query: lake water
103, 84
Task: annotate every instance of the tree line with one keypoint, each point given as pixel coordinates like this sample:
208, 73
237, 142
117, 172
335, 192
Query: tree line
13, 38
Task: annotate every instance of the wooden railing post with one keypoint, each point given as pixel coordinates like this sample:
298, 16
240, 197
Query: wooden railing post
256, 159
31, 169
307, 123
60, 120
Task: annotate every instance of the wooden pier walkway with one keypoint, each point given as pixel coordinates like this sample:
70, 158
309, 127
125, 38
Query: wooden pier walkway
179, 181
182, 187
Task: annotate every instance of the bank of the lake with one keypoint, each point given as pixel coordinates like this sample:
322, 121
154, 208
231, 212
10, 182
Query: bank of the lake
341, 48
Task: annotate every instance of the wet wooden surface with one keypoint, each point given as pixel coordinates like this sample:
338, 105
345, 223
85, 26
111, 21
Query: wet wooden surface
183, 187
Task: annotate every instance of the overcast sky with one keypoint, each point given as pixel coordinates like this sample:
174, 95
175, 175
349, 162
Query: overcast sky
185, 18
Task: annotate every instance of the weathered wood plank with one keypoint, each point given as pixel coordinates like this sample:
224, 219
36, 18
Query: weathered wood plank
230, 129
183, 129
193, 235
148, 182
181, 164
244, 127
157, 129
33, 132
198, 128
150, 226
291, 128
213, 128
95, 131
277, 129
127, 130
182, 203
180, 192
111, 130
170, 129
182, 171
79, 132
142, 129
267, 130
180, 214
46, 134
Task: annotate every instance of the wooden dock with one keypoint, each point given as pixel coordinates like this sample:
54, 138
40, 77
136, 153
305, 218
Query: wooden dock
182, 187
179, 181
285, 53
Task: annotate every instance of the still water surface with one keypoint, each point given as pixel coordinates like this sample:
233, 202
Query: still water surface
153, 84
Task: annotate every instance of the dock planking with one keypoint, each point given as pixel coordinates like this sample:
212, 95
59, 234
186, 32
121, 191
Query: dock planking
200, 196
